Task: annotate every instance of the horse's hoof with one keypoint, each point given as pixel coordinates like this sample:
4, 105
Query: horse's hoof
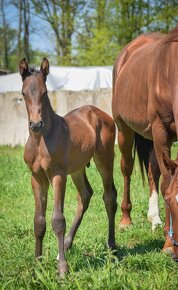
169, 251
168, 246
156, 226
125, 226
63, 268
155, 221
175, 258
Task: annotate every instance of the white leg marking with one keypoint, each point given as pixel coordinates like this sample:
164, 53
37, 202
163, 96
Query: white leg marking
177, 197
153, 211
57, 258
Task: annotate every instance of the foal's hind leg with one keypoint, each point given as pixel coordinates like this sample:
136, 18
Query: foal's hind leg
84, 194
40, 188
153, 178
104, 159
125, 142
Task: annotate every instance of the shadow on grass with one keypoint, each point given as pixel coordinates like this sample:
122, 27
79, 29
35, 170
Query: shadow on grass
97, 260
147, 246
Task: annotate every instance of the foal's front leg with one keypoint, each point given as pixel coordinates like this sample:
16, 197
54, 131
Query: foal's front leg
40, 187
58, 219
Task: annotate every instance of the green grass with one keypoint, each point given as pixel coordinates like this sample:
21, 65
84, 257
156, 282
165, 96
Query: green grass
140, 263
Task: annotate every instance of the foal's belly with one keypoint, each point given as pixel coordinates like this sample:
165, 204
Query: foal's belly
79, 159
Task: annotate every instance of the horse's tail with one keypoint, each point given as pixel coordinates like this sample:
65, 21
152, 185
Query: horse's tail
143, 147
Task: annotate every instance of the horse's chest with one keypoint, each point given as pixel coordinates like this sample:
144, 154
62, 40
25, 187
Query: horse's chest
41, 163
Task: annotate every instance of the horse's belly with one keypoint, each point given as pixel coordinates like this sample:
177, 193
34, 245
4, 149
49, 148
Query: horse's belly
138, 124
130, 99
130, 111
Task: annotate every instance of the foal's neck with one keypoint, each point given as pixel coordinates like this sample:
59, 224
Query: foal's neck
48, 115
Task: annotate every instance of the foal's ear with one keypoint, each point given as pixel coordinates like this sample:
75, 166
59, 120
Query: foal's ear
23, 68
170, 164
44, 69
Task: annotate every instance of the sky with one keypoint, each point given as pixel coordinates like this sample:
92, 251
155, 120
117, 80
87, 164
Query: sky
40, 35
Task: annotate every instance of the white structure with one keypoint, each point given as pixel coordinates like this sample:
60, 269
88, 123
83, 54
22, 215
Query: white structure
65, 78
68, 87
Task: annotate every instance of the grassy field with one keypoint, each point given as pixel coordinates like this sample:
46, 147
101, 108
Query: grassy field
140, 263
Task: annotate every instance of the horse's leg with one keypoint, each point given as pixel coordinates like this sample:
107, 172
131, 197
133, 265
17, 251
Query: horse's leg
125, 142
83, 198
58, 219
153, 179
162, 145
40, 188
104, 158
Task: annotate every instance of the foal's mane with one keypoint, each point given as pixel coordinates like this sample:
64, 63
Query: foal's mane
172, 36
34, 71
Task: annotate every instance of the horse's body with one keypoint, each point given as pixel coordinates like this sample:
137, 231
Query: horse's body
145, 100
58, 146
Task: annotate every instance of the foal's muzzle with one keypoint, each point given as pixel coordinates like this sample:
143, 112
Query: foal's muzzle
36, 127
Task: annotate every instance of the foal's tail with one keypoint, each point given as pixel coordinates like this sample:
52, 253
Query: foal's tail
143, 147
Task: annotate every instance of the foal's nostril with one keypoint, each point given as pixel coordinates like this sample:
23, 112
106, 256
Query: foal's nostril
41, 124
31, 124
36, 126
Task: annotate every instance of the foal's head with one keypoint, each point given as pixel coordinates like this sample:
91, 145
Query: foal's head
34, 91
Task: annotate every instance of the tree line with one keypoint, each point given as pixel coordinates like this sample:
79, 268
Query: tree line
83, 32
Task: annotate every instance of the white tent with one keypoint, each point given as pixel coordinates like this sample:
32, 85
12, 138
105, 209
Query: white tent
65, 78
69, 88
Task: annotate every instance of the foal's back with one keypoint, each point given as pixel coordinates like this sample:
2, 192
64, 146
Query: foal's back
89, 131
87, 123
85, 131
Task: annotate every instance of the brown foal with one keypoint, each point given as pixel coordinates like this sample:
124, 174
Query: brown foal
58, 146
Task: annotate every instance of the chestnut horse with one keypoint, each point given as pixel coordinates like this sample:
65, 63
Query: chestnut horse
145, 100
58, 146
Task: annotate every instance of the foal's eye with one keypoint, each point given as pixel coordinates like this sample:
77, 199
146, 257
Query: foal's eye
23, 94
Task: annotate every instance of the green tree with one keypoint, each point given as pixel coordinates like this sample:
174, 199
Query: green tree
4, 36
165, 15
86, 32
95, 42
7, 40
61, 17
24, 11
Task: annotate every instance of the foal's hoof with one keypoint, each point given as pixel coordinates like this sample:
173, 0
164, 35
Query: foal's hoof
112, 246
63, 268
